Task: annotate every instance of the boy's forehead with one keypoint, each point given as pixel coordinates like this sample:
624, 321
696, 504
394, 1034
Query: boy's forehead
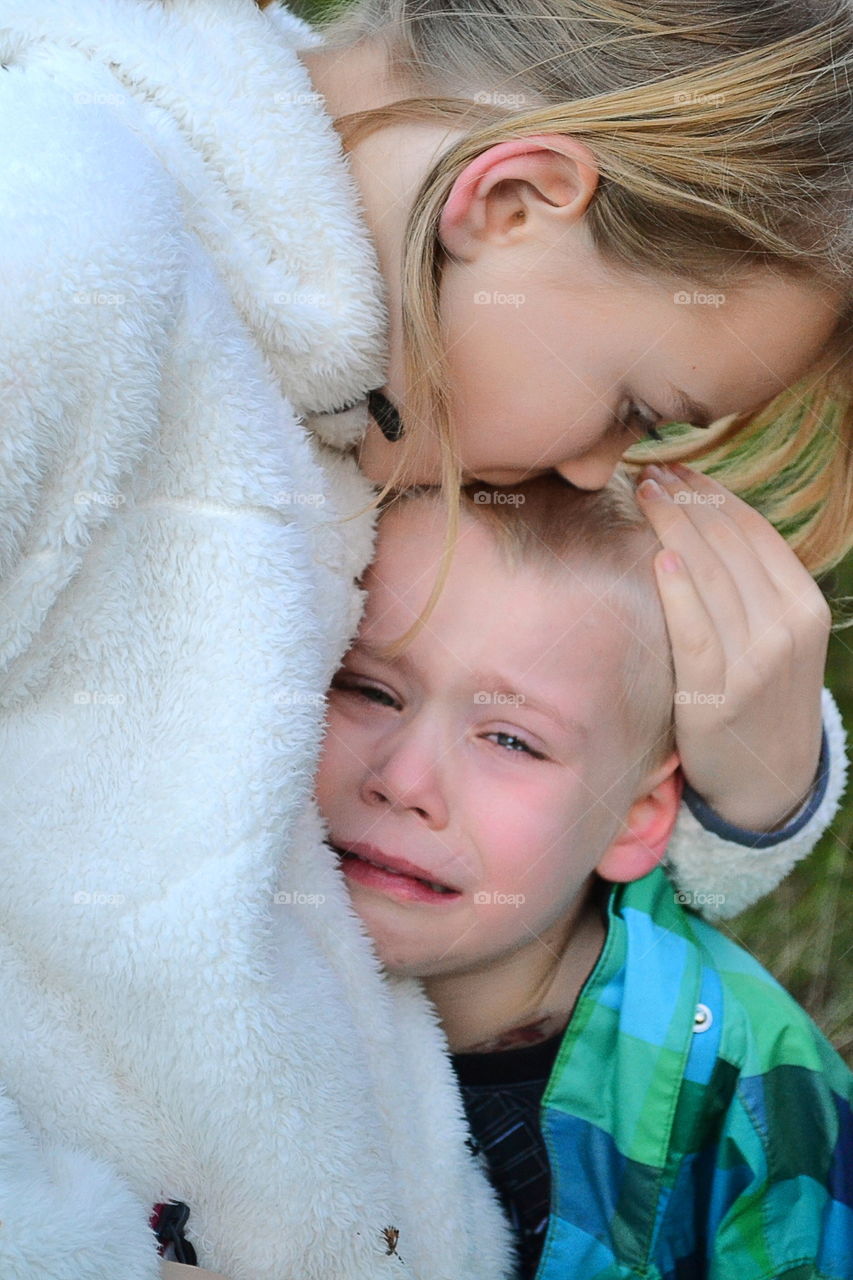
407, 564
556, 620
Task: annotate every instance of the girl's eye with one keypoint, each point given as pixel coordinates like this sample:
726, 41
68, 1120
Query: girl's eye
641, 417
520, 745
367, 691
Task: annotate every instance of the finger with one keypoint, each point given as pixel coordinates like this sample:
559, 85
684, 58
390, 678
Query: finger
779, 559
764, 605
789, 577
709, 577
698, 654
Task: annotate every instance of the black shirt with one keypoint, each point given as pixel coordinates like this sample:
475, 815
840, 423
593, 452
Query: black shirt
502, 1093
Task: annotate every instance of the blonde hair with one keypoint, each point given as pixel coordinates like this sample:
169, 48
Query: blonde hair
722, 131
602, 540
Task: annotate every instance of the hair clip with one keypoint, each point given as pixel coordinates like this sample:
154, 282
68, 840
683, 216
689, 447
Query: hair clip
387, 417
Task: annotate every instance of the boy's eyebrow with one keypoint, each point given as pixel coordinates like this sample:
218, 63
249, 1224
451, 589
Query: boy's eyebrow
494, 684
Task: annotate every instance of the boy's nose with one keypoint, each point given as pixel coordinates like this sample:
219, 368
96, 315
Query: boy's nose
407, 778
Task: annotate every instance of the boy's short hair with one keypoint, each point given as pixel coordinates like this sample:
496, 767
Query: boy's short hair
602, 539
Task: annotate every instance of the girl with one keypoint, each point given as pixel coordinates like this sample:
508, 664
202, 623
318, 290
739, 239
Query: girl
200, 292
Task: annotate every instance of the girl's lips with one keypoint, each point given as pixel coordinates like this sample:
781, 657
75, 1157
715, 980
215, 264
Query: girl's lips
396, 877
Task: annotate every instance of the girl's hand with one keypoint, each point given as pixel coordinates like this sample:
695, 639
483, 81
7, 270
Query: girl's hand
749, 629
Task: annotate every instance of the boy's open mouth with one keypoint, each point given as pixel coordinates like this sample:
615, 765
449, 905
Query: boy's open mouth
377, 870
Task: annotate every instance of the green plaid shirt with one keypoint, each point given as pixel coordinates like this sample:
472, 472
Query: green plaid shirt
697, 1122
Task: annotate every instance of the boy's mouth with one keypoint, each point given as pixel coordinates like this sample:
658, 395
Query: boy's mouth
371, 867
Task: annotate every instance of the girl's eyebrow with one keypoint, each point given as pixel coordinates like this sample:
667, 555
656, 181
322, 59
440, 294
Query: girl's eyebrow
687, 410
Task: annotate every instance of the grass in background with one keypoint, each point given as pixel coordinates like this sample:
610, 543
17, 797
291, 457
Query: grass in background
803, 932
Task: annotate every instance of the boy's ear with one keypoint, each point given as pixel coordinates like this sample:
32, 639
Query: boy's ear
647, 828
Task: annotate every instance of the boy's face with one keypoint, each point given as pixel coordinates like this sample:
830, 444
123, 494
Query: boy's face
490, 758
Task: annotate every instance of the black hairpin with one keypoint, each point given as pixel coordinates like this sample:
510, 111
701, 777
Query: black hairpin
387, 417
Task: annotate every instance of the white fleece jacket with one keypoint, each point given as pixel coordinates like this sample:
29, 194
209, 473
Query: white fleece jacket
190, 1008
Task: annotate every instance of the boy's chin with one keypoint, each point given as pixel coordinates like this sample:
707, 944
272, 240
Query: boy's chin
401, 963
401, 960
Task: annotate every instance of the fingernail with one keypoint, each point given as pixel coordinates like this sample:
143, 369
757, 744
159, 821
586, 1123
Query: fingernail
651, 489
670, 561
655, 472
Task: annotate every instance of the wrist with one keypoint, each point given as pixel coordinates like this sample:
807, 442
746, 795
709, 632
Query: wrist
762, 820
754, 837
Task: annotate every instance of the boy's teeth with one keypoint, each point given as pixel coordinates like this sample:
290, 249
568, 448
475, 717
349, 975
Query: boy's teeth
436, 888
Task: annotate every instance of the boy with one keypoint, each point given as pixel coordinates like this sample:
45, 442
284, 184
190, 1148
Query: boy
501, 793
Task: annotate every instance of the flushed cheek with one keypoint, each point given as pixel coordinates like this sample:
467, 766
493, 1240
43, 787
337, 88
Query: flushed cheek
330, 784
337, 774
512, 837
534, 863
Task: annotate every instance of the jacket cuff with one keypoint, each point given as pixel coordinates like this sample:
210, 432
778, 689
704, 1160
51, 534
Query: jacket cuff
719, 826
721, 877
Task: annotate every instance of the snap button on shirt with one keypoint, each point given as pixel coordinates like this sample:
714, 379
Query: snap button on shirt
703, 1018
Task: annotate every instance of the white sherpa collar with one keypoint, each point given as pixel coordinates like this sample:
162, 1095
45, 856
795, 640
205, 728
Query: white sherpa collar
284, 223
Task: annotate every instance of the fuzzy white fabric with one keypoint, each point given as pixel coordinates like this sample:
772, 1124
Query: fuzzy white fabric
721, 878
185, 273
190, 1008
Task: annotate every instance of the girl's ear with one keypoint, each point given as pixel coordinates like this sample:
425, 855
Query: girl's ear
647, 828
511, 186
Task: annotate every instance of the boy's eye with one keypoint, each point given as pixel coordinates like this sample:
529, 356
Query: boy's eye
519, 744
367, 691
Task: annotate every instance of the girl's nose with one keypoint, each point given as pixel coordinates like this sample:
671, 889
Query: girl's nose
593, 469
586, 474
